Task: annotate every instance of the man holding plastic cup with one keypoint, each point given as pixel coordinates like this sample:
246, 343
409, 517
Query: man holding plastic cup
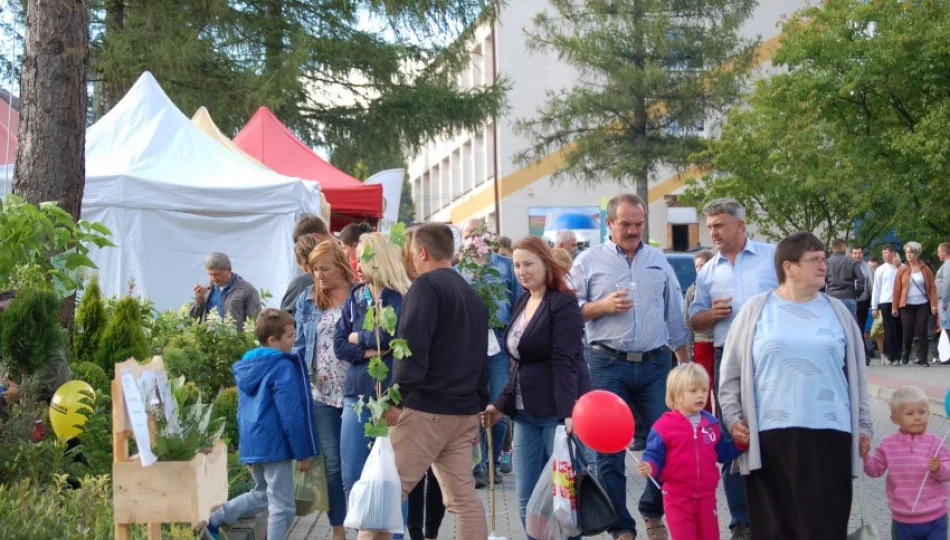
633, 307
740, 270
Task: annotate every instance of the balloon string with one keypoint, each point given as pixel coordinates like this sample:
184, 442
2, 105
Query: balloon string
926, 474
635, 458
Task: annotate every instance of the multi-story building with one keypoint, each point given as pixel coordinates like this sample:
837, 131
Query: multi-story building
474, 174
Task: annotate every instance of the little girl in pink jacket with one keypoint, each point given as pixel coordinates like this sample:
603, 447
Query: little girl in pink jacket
909, 455
682, 450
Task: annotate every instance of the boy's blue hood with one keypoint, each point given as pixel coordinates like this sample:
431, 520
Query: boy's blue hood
250, 371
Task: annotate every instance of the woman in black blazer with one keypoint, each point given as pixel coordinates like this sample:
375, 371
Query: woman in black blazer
544, 340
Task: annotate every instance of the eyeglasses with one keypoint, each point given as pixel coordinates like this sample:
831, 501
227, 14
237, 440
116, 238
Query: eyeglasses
817, 261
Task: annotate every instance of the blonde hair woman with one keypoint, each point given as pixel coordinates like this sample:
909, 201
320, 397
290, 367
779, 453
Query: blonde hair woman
318, 310
385, 282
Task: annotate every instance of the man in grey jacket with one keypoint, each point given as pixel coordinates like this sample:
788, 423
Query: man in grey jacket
227, 293
943, 288
844, 279
864, 301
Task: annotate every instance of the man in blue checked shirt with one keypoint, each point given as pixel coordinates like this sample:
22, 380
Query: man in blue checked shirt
742, 269
633, 305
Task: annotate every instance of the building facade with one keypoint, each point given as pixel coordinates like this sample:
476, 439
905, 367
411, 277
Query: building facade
473, 174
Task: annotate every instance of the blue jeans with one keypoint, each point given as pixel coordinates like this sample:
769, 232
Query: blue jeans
532, 445
273, 491
328, 429
499, 368
731, 481
355, 447
642, 385
932, 530
852, 306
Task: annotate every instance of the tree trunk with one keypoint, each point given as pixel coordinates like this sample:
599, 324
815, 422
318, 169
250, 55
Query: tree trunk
641, 146
50, 163
115, 22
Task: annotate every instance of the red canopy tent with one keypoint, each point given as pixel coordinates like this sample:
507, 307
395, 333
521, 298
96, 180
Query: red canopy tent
9, 121
270, 142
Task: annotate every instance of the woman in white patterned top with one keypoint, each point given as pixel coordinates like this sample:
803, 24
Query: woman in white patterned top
318, 310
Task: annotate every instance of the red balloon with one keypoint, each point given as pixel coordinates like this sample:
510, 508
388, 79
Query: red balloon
603, 421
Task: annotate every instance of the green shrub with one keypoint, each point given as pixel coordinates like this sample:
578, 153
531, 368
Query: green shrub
95, 440
123, 337
226, 407
239, 478
32, 510
91, 321
92, 374
184, 358
30, 331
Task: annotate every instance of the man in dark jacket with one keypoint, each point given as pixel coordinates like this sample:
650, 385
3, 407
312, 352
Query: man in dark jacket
227, 293
844, 279
444, 382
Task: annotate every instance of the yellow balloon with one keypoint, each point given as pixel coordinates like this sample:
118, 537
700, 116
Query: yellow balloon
64, 409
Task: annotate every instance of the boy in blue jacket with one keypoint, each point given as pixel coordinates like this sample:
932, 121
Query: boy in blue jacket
276, 424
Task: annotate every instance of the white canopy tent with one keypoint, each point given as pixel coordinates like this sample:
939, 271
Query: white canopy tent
171, 195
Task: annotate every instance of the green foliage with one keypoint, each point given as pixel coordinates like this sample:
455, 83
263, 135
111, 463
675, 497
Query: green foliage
239, 478
95, 440
124, 336
30, 331
234, 57
92, 374
30, 509
407, 207
856, 124
225, 407
197, 431
203, 352
43, 247
650, 71
22, 458
91, 321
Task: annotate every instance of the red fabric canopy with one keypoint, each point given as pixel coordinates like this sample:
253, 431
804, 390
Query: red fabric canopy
9, 121
271, 143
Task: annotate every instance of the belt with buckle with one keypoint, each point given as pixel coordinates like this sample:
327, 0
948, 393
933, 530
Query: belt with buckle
628, 356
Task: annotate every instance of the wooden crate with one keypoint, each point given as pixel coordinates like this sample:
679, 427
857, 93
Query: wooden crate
170, 491
166, 491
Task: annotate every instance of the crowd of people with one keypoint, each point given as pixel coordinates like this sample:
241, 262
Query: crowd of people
769, 391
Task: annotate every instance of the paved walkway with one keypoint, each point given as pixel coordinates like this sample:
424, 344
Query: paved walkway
881, 380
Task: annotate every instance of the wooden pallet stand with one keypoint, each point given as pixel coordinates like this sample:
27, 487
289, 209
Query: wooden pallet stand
166, 491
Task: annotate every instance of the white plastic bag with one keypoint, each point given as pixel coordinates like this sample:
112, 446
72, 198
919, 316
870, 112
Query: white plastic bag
562, 480
375, 502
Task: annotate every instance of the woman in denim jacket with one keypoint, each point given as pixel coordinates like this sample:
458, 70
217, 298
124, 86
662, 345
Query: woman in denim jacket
318, 310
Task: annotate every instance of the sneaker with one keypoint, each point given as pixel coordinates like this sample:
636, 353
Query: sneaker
506, 462
638, 445
741, 532
499, 479
885, 361
210, 532
656, 530
481, 479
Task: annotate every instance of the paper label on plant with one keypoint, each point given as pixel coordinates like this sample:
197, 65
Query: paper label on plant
137, 417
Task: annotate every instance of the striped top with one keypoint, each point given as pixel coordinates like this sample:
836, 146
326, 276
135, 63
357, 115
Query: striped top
905, 458
656, 319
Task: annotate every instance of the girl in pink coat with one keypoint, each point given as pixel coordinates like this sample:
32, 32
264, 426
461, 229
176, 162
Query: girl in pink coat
682, 450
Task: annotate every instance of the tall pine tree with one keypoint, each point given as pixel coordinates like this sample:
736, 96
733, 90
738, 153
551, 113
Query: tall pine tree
650, 72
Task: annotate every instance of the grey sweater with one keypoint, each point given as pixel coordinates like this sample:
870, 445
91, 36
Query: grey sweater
737, 385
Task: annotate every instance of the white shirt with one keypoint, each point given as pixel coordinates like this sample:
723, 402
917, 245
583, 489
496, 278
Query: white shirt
883, 285
915, 294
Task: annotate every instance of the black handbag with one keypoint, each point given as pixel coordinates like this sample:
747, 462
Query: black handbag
595, 512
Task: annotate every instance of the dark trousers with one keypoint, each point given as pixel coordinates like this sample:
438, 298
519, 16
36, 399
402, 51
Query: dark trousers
914, 319
864, 307
892, 332
931, 530
426, 509
731, 481
642, 385
803, 490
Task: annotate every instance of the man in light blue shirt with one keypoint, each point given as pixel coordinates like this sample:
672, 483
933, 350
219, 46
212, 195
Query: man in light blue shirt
633, 305
742, 269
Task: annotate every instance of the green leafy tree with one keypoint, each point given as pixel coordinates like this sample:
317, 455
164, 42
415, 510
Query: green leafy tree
30, 334
651, 72
298, 58
873, 77
91, 321
123, 337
